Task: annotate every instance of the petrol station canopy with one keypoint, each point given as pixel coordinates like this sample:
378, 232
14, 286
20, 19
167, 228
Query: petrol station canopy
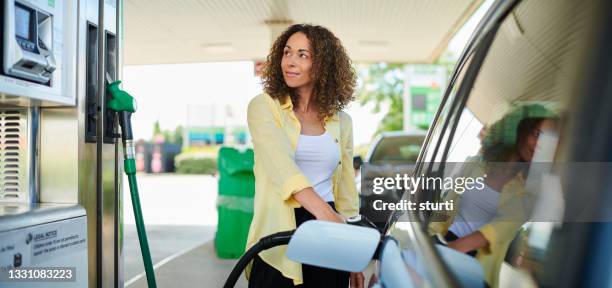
180, 31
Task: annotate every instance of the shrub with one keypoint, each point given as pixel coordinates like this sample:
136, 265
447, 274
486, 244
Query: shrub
195, 163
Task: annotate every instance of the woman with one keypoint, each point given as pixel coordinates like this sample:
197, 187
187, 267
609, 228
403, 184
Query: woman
303, 148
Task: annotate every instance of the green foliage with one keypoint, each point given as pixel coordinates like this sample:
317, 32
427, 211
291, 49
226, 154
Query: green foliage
156, 128
383, 84
172, 137
211, 151
195, 163
178, 135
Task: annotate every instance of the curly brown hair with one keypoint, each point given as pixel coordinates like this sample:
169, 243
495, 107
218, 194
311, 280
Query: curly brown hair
332, 71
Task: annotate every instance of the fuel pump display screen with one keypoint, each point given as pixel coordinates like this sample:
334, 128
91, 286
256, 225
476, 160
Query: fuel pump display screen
23, 19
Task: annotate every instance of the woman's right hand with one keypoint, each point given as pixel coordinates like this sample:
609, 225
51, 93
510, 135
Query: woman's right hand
313, 203
332, 217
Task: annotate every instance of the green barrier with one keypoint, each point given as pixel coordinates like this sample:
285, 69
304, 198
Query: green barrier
235, 201
244, 204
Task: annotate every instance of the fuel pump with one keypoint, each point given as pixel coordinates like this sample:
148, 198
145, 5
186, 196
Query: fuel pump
124, 105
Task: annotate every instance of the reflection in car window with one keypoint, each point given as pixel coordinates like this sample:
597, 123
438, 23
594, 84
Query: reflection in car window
469, 128
401, 230
437, 130
509, 128
512, 128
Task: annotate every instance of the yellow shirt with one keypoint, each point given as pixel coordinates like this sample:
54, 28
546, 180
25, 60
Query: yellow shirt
499, 232
275, 131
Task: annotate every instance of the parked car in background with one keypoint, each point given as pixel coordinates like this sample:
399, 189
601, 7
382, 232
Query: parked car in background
397, 147
391, 152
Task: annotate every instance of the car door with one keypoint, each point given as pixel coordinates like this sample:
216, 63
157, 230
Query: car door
399, 228
533, 71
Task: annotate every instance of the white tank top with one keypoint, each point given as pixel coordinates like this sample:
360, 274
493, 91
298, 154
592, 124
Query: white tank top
318, 157
478, 207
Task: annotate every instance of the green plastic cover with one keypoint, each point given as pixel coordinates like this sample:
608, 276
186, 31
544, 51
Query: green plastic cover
235, 201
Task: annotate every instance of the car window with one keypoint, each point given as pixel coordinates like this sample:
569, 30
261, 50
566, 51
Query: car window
508, 133
513, 129
430, 156
445, 111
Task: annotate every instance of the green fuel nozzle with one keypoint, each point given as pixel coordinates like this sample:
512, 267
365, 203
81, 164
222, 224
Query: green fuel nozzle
124, 104
122, 101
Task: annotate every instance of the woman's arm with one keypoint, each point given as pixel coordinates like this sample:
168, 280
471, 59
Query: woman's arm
509, 217
469, 243
313, 203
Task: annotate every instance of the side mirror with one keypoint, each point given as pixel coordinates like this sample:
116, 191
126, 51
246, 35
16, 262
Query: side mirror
333, 245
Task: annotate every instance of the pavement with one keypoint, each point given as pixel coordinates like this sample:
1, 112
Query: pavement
166, 242
196, 268
180, 217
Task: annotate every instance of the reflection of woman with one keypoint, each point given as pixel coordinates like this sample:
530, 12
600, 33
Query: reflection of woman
303, 151
488, 219
478, 207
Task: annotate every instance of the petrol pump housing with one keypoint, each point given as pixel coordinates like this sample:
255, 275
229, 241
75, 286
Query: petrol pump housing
60, 175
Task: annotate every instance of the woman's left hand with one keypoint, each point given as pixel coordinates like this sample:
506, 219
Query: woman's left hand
356, 280
469, 243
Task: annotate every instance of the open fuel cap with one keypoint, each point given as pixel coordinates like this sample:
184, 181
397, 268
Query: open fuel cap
353, 219
359, 220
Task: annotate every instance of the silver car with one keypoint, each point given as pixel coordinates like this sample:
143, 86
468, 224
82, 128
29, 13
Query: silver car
391, 152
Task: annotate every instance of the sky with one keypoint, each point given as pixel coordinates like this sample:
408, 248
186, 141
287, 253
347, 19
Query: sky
218, 93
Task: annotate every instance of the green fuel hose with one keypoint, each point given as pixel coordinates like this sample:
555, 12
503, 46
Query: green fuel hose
125, 105
130, 170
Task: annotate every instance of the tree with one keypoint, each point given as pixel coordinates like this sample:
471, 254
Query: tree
173, 137
383, 84
156, 128
178, 135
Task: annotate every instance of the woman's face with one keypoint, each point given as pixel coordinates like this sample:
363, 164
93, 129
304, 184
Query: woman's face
528, 147
297, 61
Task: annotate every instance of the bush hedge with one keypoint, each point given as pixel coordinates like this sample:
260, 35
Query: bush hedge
195, 163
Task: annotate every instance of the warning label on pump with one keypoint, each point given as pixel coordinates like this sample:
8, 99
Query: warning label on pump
46, 245
56, 240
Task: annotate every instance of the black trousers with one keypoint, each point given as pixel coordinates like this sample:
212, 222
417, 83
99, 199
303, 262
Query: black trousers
264, 275
450, 236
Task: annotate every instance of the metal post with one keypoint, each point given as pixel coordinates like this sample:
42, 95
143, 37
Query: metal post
100, 133
119, 195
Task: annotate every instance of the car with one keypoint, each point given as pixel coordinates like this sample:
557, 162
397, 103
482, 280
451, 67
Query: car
392, 147
524, 53
390, 152
396, 147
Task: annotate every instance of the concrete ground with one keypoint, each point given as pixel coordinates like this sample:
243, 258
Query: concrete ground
180, 217
166, 243
197, 268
